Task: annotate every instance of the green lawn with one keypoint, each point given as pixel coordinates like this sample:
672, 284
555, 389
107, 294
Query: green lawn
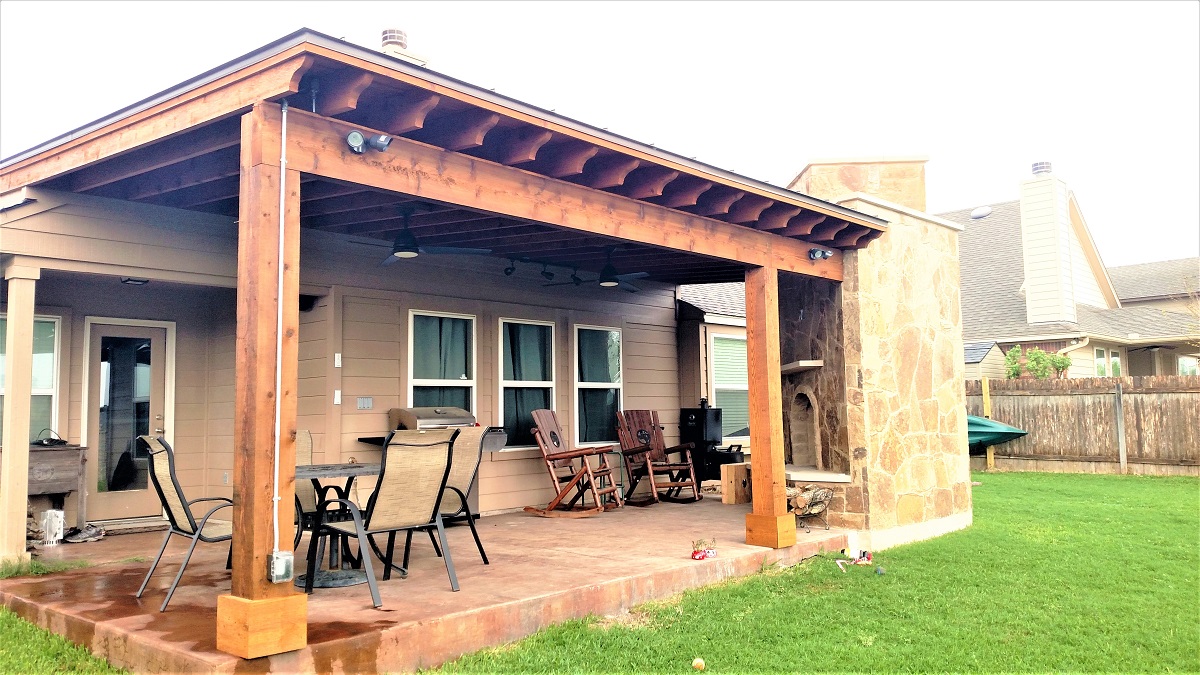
1059, 572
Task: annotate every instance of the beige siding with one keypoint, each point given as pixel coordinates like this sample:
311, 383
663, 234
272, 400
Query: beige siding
992, 365
1045, 242
1087, 290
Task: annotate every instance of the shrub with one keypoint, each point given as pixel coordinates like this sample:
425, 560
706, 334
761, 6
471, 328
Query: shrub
1060, 363
1038, 363
1012, 362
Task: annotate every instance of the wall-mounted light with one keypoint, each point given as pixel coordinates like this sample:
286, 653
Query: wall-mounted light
819, 254
359, 142
133, 281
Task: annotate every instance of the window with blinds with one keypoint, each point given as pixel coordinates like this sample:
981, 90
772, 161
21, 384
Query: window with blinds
730, 387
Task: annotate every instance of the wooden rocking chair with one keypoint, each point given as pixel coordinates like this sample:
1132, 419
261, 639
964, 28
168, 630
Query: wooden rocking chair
572, 473
647, 457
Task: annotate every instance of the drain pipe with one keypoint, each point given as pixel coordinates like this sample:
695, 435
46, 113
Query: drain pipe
1071, 348
275, 572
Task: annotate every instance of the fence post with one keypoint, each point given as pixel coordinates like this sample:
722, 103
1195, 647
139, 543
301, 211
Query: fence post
1121, 452
987, 412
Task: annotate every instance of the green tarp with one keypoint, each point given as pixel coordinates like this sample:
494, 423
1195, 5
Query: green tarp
982, 432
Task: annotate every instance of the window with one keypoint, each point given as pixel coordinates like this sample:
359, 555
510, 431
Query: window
442, 362
730, 386
1101, 365
597, 384
43, 409
526, 376
1189, 365
1114, 361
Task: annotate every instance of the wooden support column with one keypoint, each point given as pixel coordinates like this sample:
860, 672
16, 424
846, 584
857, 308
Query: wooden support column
770, 523
18, 388
259, 618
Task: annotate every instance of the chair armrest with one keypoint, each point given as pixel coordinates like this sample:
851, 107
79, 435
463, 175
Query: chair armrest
683, 448
636, 450
579, 452
229, 502
218, 507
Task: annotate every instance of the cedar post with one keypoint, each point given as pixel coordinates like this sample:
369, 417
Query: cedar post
987, 412
18, 388
770, 523
259, 618
1122, 453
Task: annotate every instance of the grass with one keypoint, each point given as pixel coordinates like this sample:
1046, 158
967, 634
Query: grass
38, 568
1059, 573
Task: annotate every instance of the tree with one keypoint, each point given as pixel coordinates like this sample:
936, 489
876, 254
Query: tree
1012, 362
1038, 363
1060, 363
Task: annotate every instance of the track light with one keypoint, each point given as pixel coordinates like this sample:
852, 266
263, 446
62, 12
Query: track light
359, 142
134, 281
511, 269
819, 254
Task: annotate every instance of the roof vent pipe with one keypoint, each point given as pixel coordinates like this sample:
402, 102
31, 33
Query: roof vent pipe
1041, 167
395, 44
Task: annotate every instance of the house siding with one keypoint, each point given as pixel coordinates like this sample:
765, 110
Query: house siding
1045, 239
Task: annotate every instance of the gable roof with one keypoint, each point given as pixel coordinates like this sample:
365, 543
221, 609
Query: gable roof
974, 352
728, 299
1157, 279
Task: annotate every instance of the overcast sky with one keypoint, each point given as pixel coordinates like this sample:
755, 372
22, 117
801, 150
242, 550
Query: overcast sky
1109, 92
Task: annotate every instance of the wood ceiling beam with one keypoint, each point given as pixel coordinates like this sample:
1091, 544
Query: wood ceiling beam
274, 77
205, 193
408, 112
202, 141
606, 171
312, 188
351, 202
563, 160
683, 192
747, 209
458, 131
415, 222
828, 230
646, 181
802, 225
386, 210
515, 146
315, 146
339, 95
776, 216
189, 173
715, 202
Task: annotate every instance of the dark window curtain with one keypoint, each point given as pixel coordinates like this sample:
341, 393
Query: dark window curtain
442, 397
527, 358
599, 356
598, 415
441, 348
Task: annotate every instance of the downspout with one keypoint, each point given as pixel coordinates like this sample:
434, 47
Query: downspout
279, 329
1071, 348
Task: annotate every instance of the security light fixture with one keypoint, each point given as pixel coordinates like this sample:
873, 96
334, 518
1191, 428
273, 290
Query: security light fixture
133, 281
359, 142
547, 274
511, 269
819, 254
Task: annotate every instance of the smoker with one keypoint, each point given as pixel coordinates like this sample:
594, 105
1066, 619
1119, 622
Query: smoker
702, 427
493, 439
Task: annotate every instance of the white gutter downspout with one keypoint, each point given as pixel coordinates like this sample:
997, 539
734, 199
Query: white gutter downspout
279, 330
1071, 348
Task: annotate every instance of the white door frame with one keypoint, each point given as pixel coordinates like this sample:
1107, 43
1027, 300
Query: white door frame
169, 371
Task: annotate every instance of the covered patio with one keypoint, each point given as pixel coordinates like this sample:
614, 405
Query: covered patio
542, 572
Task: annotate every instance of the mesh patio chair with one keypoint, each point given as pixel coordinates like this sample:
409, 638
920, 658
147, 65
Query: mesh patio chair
468, 453
308, 496
647, 456
573, 475
179, 513
407, 497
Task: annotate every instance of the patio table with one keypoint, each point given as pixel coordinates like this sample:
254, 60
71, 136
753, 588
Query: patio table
325, 578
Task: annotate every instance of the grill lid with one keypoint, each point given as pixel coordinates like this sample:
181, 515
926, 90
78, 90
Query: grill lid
432, 417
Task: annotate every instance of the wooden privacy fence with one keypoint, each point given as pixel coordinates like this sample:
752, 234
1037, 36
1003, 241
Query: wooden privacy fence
1097, 425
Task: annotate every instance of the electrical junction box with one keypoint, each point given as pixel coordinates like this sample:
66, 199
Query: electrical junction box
279, 567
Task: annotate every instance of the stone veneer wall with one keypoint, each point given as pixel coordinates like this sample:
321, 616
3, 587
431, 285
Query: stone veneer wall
810, 325
906, 408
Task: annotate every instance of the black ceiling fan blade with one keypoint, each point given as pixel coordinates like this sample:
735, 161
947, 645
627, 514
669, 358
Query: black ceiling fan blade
561, 283
454, 250
632, 275
390, 260
628, 287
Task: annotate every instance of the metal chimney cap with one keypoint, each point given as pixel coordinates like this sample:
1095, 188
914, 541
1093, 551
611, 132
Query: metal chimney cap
395, 36
1041, 167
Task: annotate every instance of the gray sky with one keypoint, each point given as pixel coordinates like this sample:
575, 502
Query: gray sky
1107, 91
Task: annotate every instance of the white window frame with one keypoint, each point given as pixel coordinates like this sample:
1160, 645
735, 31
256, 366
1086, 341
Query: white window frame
1115, 354
412, 383
52, 392
576, 385
523, 384
168, 422
712, 380
1100, 357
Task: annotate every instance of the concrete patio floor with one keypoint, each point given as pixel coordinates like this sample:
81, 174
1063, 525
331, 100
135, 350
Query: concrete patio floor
543, 571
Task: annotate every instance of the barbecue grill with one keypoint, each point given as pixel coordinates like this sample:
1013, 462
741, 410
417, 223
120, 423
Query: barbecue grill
702, 427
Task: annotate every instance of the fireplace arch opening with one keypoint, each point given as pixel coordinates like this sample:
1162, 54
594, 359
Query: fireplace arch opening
804, 441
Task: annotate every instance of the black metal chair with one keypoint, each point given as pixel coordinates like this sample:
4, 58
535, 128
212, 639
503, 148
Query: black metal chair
179, 513
309, 494
406, 499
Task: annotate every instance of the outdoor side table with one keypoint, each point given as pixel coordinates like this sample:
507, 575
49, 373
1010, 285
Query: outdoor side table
325, 578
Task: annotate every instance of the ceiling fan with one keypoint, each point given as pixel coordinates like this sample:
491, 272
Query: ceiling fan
608, 277
405, 245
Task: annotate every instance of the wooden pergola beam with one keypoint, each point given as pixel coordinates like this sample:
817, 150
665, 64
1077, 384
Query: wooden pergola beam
776, 216
196, 143
747, 209
316, 146
515, 146
408, 113
607, 171
647, 181
339, 95
682, 192
458, 131
563, 160
716, 202
802, 225
186, 174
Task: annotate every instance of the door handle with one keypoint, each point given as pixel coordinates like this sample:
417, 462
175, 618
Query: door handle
159, 431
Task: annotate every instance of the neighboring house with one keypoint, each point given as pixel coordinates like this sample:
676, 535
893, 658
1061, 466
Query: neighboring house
164, 265
983, 359
1031, 275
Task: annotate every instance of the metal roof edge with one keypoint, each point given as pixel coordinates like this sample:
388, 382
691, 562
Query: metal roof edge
315, 37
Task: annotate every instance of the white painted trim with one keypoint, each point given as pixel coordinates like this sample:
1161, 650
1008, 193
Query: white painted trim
55, 392
725, 320
744, 441
502, 383
878, 540
169, 371
576, 385
473, 382
898, 208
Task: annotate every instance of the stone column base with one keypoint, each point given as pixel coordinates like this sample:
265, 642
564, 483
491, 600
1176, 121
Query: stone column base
878, 540
254, 628
771, 531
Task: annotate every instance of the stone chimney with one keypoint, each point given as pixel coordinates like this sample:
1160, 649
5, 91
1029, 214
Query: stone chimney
900, 180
